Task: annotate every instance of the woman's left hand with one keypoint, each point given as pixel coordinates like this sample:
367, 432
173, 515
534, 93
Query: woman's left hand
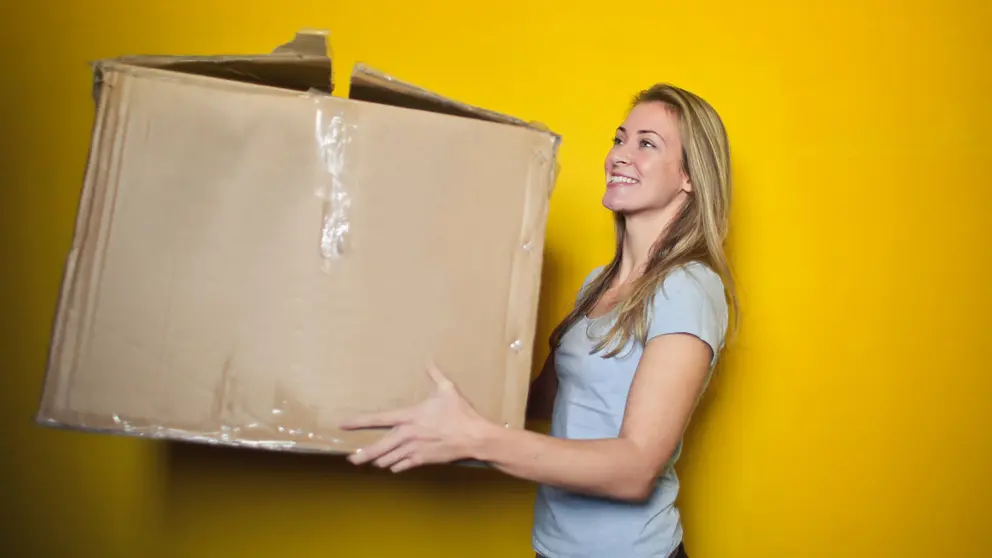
441, 429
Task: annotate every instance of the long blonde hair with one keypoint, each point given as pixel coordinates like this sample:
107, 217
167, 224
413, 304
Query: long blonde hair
697, 234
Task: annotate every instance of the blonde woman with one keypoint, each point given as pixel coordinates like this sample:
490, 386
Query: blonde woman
627, 365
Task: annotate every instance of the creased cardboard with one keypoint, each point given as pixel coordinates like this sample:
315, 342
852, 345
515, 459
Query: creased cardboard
255, 260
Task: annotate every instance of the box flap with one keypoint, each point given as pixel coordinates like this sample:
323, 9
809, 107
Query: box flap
303, 64
372, 85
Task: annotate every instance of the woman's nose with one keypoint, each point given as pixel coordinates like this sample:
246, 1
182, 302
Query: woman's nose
619, 156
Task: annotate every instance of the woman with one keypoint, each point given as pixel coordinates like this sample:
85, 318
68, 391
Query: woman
627, 365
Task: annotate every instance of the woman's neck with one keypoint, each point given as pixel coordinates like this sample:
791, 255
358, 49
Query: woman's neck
641, 232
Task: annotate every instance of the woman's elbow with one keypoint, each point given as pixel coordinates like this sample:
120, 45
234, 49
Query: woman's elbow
637, 483
636, 487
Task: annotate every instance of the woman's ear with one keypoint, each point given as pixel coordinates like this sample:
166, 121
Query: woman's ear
686, 181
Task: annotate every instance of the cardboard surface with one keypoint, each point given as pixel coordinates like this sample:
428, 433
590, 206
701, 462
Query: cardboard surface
255, 260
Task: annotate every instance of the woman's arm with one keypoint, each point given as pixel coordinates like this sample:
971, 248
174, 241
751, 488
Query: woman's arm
662, 397
445, 428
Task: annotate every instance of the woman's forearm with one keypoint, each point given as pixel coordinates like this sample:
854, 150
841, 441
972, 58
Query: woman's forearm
612, 467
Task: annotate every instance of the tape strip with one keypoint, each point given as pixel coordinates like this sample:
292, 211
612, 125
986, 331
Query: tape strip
333, 137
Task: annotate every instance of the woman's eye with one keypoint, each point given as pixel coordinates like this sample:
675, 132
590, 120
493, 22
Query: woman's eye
646, 143
616, 141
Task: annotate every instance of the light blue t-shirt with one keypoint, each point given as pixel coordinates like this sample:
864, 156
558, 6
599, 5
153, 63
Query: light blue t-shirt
592, 396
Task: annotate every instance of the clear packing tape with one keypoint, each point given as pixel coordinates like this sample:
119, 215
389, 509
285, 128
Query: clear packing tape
252, 435
333, 137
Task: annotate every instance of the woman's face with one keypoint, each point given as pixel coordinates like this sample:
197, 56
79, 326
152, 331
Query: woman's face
644, 167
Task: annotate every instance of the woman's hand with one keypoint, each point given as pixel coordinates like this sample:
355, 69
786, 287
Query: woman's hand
443, 428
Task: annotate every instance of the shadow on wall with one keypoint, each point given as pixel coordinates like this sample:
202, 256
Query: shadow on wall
194, 471
547, 315
705, 416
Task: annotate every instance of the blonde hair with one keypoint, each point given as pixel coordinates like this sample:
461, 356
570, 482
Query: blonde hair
697, 234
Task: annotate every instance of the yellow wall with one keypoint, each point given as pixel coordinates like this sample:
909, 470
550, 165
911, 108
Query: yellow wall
852, 415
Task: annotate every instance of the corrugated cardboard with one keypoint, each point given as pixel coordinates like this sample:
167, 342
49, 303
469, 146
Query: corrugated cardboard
255, 260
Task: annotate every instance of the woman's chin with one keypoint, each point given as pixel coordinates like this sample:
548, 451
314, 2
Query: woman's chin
614, 202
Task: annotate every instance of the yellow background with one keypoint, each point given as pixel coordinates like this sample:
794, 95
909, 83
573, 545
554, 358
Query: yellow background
851, 416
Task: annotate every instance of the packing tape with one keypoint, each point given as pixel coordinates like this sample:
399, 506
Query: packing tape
334, 135
276, 433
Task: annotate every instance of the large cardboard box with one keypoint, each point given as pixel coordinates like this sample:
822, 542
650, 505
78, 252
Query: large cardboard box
255, 259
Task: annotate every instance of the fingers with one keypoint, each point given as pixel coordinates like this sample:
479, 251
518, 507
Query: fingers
377, 420
395, 456
386, 444
404, 465
398, 451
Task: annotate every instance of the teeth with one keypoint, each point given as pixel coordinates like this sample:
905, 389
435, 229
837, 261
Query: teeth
622, 179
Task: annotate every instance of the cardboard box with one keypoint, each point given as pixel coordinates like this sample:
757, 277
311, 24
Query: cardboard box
255, 259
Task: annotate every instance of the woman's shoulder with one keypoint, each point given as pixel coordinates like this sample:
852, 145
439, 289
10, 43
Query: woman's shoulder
691, 299
591, 276
694, 276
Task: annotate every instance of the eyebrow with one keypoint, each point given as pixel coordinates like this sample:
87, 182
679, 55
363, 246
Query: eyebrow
624, 130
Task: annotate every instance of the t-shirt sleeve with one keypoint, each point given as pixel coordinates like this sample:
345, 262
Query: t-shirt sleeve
691, 300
